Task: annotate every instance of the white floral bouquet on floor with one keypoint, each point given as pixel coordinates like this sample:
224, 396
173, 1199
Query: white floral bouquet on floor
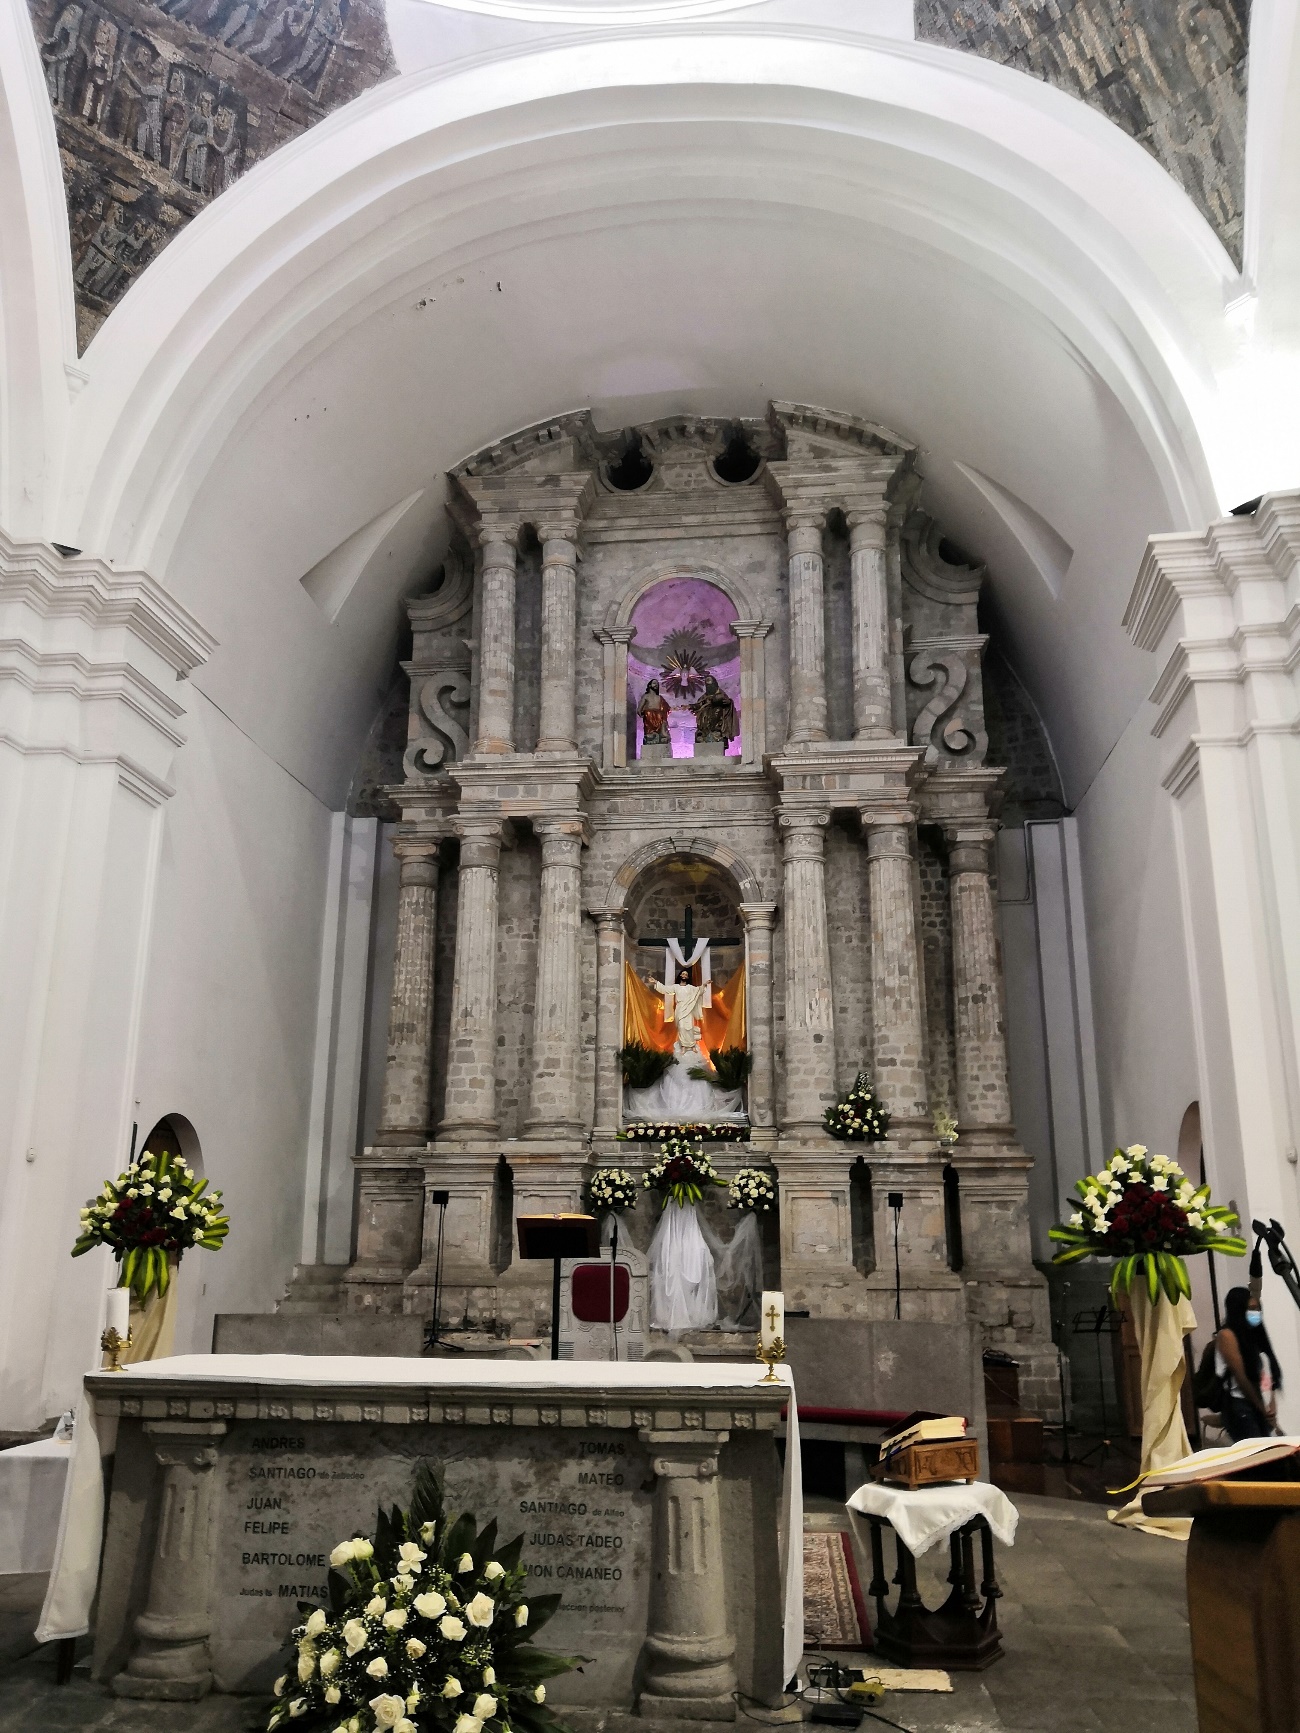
427, 1628
1144, 1211
612, 1188
752, 1188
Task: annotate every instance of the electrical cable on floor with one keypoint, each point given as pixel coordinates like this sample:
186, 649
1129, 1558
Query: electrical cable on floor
832, 1676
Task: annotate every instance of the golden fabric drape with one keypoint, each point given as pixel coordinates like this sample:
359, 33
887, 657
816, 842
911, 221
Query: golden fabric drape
724, 1025
643, 1014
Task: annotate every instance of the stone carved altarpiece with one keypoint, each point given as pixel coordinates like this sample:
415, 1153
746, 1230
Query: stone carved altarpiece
856, 795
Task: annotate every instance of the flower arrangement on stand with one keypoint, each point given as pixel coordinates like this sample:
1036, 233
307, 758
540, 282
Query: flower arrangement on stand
150, 1216
753, 1188
703, 1131
427, 1628
612, 1190
683, 1172
859, 1116
1144, 1211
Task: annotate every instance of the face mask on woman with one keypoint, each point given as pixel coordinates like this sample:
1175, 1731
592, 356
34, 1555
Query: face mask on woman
1254, 1319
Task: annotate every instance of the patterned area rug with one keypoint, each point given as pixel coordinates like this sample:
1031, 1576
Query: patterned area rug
834, 1612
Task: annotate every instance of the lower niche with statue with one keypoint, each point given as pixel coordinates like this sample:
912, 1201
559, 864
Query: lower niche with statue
695, 826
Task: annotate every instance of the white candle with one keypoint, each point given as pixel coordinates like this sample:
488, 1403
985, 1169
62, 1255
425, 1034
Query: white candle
118, 1314
772, 1318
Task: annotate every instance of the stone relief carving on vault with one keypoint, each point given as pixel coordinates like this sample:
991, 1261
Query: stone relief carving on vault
161, 104
1172, 76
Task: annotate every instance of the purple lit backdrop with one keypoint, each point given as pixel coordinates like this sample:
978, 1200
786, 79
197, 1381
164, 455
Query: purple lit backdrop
674, 606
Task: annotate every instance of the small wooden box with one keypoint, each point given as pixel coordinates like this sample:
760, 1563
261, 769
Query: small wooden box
928, 1463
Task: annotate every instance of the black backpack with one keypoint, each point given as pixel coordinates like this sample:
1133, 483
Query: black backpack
1207, 1385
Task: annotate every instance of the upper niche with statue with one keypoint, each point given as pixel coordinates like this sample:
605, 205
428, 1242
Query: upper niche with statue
678, 536
683, 668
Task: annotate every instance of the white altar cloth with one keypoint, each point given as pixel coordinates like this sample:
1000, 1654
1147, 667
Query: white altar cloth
76, 1570
32, 1481
922, 1518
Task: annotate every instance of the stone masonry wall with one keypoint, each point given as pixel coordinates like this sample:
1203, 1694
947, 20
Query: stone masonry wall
850, 936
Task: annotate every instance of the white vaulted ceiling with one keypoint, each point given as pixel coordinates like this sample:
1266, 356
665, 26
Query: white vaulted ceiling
698, 210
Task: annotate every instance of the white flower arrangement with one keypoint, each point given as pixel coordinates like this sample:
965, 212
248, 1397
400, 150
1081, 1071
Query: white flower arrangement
859, 1116
149, 1216
682, 1171
1144, 1211
612, 1189
428, 1616
752, 1188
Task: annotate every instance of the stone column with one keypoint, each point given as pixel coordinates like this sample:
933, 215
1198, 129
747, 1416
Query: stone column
559, 638
689, 1649
983, 1084
807, 627
553, 1105
872, 695
809, 1018
471, 1055
615, 641
405, 1116
171, 1660
609, 1021
896, 992
753, 688
496, 664
758, 919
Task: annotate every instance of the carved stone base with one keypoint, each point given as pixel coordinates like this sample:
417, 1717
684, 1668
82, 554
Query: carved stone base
686, 1708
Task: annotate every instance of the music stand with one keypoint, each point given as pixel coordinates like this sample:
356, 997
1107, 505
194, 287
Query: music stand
556, 1237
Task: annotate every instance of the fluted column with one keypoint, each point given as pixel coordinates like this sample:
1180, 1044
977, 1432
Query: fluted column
559, 635
753, 688
553, 1106
405, 1115
807, 627
496, 668
809, 1018
614, 641
872, 702
471, 1055
689, 1650
983, 1085
896, 994
171, 1660
609, 1020
758, 919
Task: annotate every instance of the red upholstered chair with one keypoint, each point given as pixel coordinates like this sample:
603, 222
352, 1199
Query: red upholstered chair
591, 1286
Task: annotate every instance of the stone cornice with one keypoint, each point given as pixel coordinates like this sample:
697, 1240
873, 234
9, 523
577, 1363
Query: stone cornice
753, 1408
84, 588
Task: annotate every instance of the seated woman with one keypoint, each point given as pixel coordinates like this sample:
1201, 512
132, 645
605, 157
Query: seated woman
1244, 1359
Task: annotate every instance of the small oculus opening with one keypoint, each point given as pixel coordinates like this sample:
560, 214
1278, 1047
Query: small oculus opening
633, 469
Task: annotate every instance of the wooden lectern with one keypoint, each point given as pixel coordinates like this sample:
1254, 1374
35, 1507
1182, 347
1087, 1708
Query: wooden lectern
1243, 1600
557, 1237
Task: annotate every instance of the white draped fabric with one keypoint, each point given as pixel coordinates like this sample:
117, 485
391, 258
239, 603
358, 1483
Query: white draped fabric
680, 1099
683, 1287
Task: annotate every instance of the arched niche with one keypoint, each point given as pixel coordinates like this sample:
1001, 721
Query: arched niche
699, 610
175, 1134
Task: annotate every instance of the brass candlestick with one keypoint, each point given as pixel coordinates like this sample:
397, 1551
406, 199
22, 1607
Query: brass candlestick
771, 1355
113, 1344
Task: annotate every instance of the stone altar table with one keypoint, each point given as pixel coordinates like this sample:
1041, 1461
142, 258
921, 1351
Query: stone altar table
651, 1496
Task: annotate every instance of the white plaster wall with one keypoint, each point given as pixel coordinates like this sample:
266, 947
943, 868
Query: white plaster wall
229, 1020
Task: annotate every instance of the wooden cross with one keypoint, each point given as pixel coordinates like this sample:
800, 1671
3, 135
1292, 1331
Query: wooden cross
688, 937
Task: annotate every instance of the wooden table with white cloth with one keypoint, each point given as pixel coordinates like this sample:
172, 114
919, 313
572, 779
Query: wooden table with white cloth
650, 1494
962, 1634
